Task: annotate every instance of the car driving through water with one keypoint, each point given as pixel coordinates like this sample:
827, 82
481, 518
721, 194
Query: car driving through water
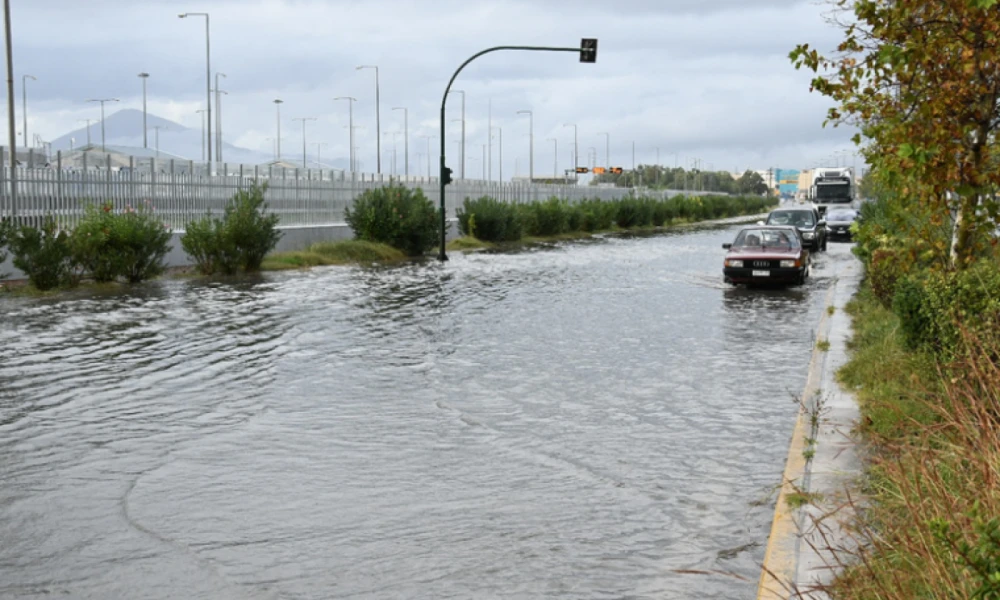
766, 255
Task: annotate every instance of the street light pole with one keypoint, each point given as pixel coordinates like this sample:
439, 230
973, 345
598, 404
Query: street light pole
88, 129
531, 144
555, 157
305, 165
462, 158
200, 111
102, 101
156, 139
406, 138
350, 126
319, 163
378, 126
428, 138
145, 142
277, 141
607, 149
24, 104
208, 81
576, 155
218, 119
500, 148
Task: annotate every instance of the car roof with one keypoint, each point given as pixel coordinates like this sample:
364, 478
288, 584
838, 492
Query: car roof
795, 209
771, 228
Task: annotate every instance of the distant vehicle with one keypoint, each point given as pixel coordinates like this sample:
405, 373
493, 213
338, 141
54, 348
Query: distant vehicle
765, 255
839, 220
811, 226
833, 187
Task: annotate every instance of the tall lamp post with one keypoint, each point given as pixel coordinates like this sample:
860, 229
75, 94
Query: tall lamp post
378, 125
576, 151
350, 126
145, 140
500, 152
218, 118
88, 128
555, 156
277, 140
24, 104
305, 165
406, 139
462, 167
607, 149
201, 112
102, 101
531, 143
208, 80
428, 138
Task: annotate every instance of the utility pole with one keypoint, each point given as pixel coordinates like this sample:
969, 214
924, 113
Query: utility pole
576, 151
218, 118
277, 106
462, 158
200, 112
406, 139
531, 143
350, 125
489, 135
144, 77
305, 165
555, 156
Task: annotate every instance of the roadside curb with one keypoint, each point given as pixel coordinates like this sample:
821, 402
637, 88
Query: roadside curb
797, 559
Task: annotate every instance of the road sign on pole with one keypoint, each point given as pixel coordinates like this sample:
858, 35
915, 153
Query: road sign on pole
588, 50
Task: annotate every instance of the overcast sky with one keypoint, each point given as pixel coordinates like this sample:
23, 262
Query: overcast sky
705, 79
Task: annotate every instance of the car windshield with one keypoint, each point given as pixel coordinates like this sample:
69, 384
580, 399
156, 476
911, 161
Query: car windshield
840, 214
770, 238
796, 218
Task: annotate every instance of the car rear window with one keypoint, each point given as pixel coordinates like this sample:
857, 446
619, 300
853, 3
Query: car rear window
797, 218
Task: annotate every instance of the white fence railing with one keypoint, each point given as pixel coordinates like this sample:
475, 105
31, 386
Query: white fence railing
298, 197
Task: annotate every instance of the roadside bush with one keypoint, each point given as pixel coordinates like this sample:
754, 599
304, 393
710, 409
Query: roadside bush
240, 240
489, 220
886, 269
597, 215
550, 217
43, 254
634, 212
4, 235
937, 306
129, 244
394, 215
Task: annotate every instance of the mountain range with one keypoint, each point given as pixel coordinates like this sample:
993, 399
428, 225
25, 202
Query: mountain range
124, 128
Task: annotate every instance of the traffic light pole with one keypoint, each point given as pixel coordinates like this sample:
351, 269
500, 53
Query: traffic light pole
588, 53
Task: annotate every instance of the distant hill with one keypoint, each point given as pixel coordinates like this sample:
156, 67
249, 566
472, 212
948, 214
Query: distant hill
124, 128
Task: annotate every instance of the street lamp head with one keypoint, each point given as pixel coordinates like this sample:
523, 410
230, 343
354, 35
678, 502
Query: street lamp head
182, 15
524, 112
278, 100
31, 77
346, 98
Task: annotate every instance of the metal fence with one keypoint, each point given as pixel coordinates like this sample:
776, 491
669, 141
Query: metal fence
299, 197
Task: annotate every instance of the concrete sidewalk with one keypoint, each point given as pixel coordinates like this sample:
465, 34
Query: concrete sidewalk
823, 467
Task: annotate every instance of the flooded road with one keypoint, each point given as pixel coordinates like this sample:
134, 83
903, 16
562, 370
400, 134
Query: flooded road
600, 419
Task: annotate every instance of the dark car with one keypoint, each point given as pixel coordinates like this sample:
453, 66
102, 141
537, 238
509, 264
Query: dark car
812, 227
765, 254
839, 220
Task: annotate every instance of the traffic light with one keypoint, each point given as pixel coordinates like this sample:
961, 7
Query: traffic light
582, 170
588, 50
599, 170
617, 170
446, 176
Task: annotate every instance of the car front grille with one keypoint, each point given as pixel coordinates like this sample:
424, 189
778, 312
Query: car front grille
762, 264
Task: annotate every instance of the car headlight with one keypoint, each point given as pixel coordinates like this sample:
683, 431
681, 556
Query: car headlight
789, 264
808, 235
734, 263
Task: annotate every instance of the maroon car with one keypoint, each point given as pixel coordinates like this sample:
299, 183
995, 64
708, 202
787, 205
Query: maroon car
766, 254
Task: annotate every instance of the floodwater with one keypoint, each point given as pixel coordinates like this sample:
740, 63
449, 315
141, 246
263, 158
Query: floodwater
600, 419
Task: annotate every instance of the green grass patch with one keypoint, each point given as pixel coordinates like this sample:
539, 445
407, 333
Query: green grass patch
800, 499
823, 345
830, 310
467, 242
346, 252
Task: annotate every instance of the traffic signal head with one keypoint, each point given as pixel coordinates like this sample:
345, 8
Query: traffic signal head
599, 170
588, 50
582, 170
617, 170
446, 175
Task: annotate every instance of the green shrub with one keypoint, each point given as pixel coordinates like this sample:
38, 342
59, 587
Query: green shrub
886, 269
240, 240
489, 220
550, 217
597, 215
935, 307
4, 236
634, 212
394, 215
43, 254
129, 244
574, 217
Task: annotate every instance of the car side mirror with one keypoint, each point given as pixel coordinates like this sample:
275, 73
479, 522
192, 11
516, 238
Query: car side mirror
727, 246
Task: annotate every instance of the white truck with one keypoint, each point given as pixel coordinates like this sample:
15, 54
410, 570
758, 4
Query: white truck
832, 187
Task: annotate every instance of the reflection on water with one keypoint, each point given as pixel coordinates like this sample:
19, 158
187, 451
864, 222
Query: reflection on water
584, 420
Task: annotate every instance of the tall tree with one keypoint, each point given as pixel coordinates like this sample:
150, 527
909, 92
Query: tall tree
921, 79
